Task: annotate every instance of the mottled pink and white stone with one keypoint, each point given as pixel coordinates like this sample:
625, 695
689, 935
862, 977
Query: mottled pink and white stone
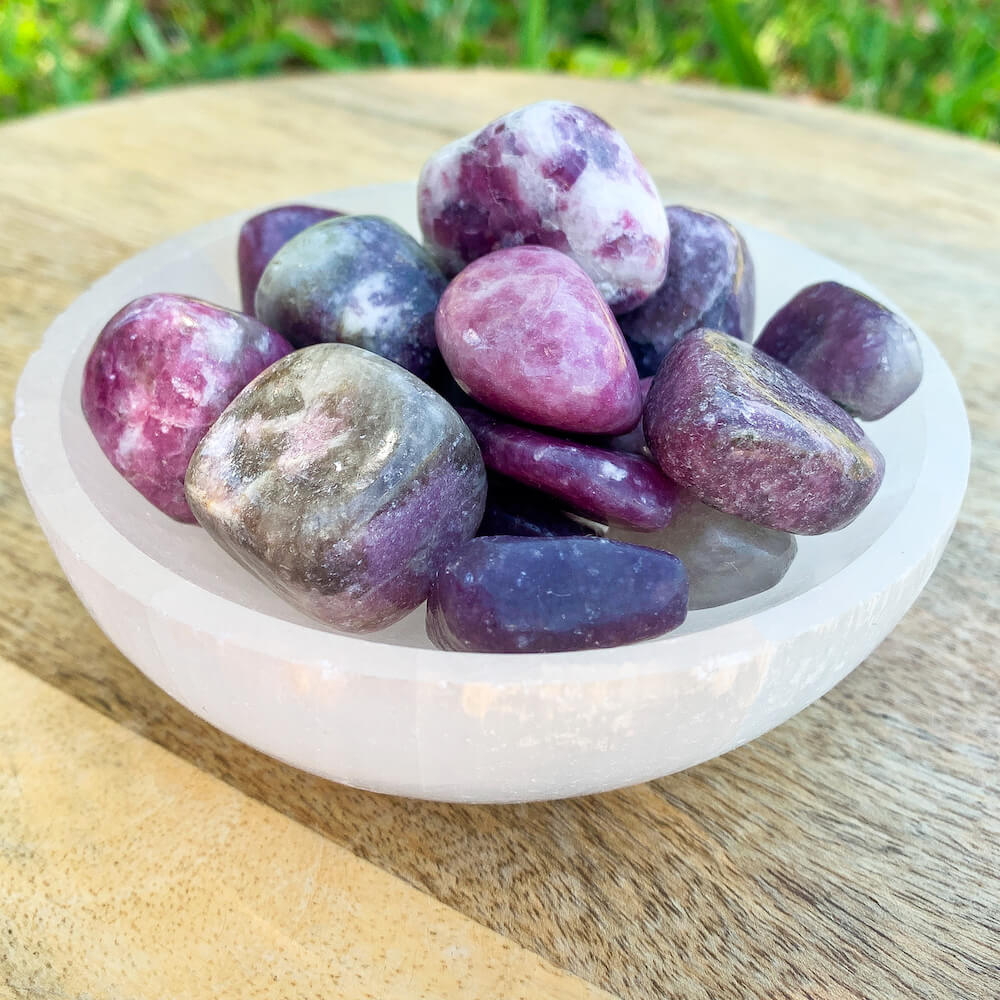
525, 332
159, 374
342, 481
555, 174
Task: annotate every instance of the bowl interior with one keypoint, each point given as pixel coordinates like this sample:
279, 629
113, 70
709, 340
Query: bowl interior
203, 263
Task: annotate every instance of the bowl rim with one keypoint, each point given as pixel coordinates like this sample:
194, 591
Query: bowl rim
66, 511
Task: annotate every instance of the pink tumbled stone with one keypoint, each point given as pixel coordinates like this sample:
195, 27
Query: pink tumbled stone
160, 373
555, 174
525, 332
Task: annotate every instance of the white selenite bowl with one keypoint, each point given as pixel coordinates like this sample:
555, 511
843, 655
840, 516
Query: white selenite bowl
391, 713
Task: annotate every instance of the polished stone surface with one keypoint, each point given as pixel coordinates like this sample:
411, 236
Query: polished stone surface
726, 557
160, 372
342, 481
608, 486
533, 595
358, 279
263, 235
853, 349
556, 174
710, 283
525, 332
748, 436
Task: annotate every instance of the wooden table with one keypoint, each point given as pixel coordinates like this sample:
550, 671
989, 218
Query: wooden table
853, 852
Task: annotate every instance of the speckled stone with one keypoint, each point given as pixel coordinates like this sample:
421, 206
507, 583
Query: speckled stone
609, 486
710, 283
726, 558
263, 235
748, 436
515, 509
543, 595
358, 279
859, 353
159, 374
525, 332
342, 481
555, 174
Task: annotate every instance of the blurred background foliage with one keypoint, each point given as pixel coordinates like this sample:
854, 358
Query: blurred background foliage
934, 61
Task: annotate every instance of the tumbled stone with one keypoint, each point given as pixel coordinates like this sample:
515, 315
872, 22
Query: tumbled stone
342, 481
609, 486
515, 509
358, 279
160, 372
726, 558
859, 353
543, 595
264, 234
525, 332
748, 436
555, 174
710, 283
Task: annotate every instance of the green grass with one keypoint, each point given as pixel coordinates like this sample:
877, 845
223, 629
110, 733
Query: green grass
936, 61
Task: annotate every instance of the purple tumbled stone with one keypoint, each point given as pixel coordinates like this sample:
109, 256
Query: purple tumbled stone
710, 283
555, 174
543, 595
748, 436
609, 486
161, 371
263, 235
342, 481
357, 279
726, 558
859, 353
515, 509
525, 332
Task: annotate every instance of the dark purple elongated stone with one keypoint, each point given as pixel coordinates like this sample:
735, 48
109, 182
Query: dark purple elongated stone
555, 174
543, 595
342, 481
726, 558
748, 436
515, 509
525, 332
859, 353
609, 486
357, 279
160, 372
264, 234
710, 283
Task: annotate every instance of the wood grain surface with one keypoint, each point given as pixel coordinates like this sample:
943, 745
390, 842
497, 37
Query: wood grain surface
854, 852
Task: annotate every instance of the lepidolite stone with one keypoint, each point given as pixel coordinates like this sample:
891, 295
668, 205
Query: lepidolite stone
748, 436
543, 595
610, 486
263, 235
726, 558
863, 356
710, 283
159, 374
525, 332
359, 280
555, 174
514, 509
342, 481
